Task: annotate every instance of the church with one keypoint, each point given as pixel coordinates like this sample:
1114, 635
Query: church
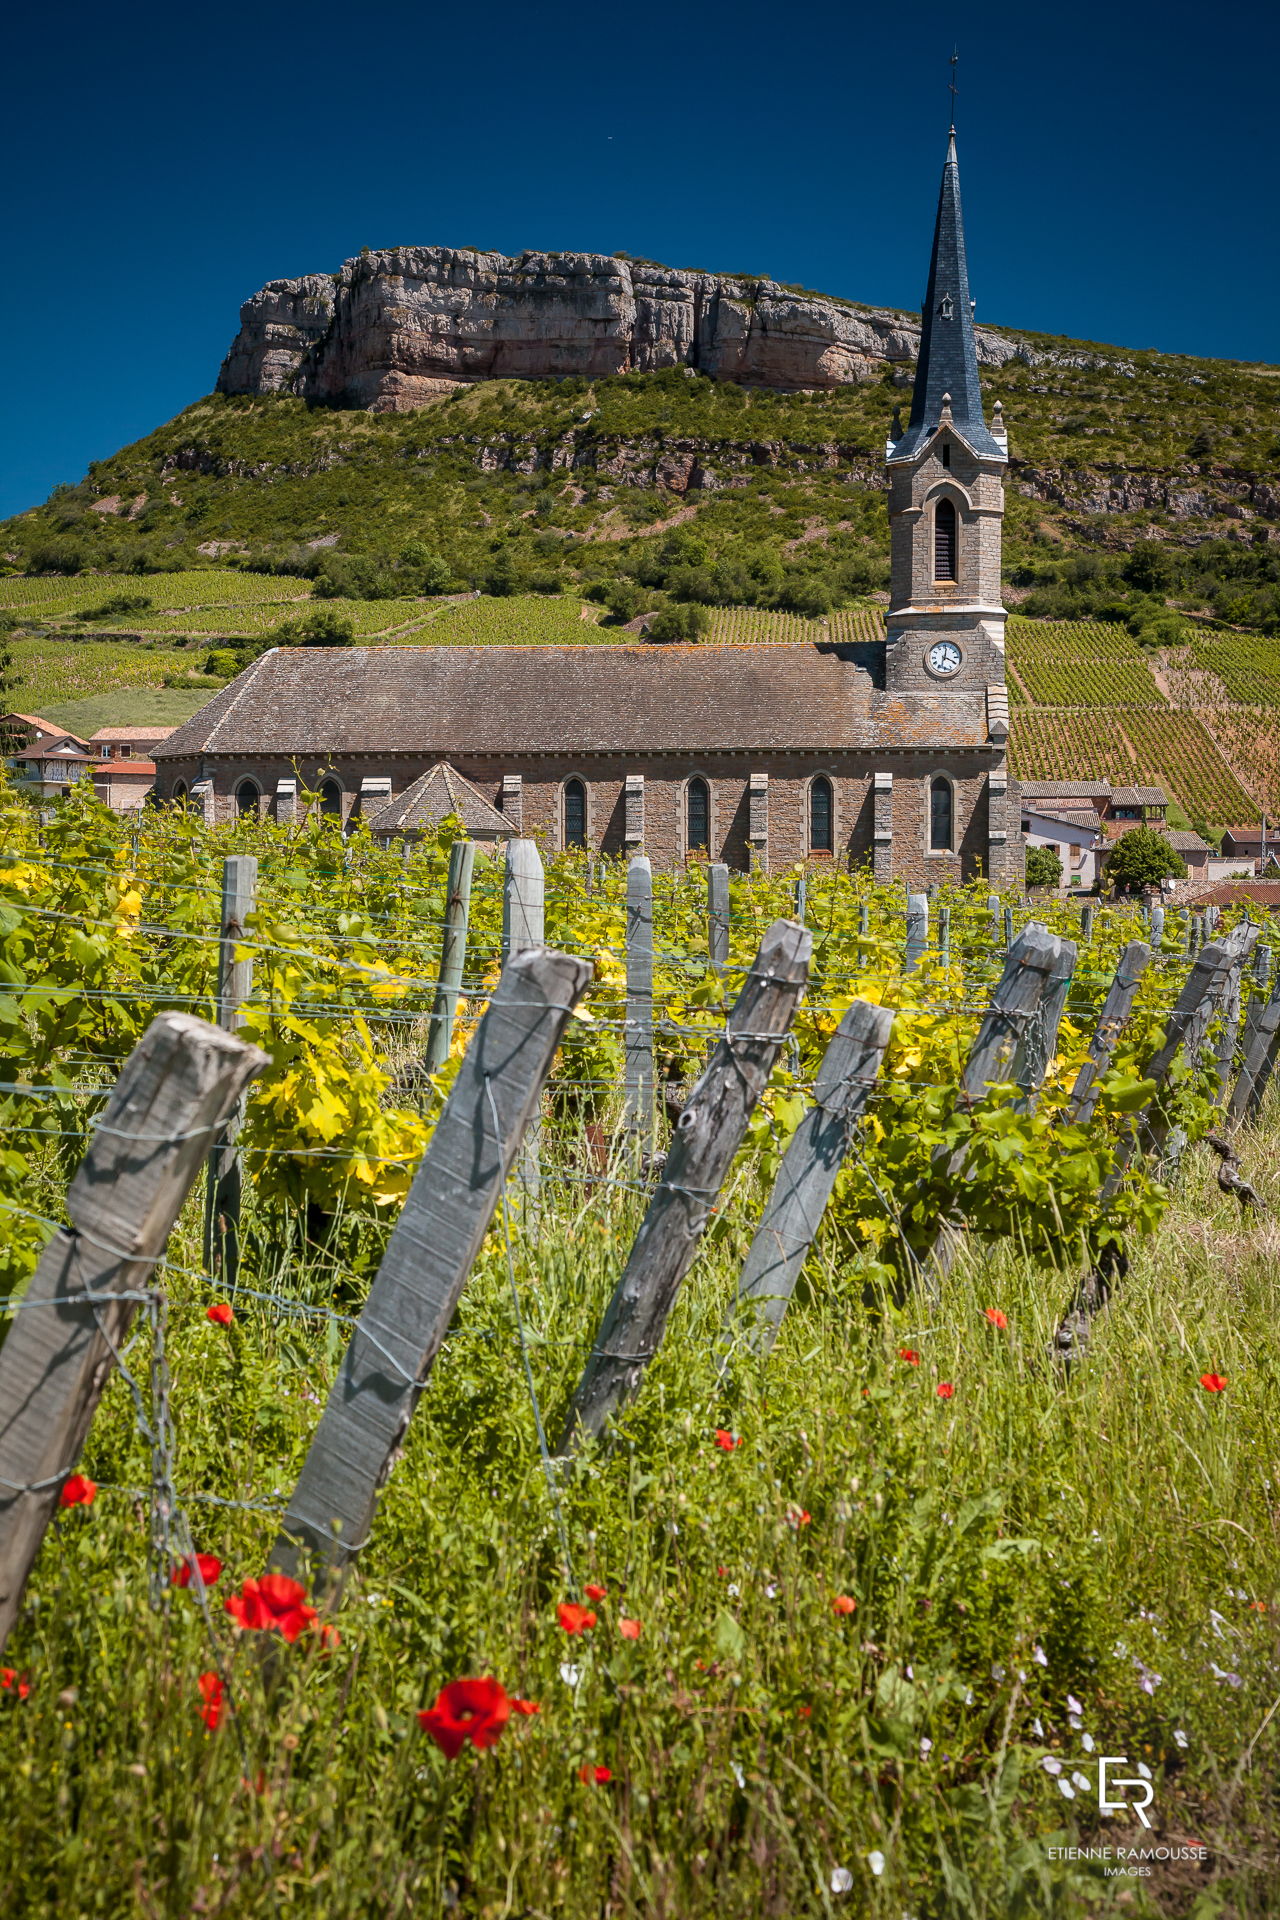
889, 755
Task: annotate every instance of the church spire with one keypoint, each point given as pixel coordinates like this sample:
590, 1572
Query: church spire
948, 362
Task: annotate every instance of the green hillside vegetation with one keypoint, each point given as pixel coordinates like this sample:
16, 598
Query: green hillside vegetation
536, 486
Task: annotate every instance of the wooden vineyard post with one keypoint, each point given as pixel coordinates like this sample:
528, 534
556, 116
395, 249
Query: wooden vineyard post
1008, 928
1261, 1042
808, 1172
1039, 1041
453, 952
1157, 928
429, 1255
174, 1091
638, 1063
1116, 1009
705, 1140
235, 984
802, 898
944, 936
718, 916
523, 899
523, 924
917, 931
993, 907
1036, 962
1086, 922
1185, 1027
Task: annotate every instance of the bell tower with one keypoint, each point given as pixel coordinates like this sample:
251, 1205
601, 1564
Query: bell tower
945, 623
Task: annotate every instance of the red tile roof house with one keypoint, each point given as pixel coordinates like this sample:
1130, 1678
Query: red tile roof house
123, 775
43, 758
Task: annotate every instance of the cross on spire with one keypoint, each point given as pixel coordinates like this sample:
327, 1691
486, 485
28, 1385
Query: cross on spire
952, 88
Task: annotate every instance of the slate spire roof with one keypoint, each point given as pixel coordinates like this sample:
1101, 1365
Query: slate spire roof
948, 362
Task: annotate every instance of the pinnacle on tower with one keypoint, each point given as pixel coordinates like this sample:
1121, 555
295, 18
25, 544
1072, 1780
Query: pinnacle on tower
948, 364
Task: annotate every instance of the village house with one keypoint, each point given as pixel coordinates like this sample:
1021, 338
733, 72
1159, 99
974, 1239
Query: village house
892, 755
42, 759
123, 773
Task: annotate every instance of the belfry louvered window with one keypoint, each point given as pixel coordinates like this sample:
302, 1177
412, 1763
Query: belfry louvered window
944, 541
820, 822
698, 817
575, 814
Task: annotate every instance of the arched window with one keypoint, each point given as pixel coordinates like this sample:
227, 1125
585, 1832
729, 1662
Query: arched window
944, 540
331, 798
821, 825
575, 814
697, 805
941, 816
180, 793
247, 797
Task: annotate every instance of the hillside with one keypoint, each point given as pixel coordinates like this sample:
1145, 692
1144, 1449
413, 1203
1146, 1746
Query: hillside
1143, 487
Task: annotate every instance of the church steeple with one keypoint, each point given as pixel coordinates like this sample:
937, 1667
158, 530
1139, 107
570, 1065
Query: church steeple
948, 363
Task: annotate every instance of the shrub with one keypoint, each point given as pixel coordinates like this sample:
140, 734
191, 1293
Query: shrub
1044, 868
1142, 858
321, 627
57, 556
687, 621
118, 603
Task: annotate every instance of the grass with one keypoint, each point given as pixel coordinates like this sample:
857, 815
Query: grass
1120, 1523
135, 707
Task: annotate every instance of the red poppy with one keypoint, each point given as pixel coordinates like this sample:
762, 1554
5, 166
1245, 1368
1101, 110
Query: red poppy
211, 1693
945, 1389
722, 1573
474, 1710
797, 1517
804, 1713
11, 1681
597, 1775
526, 1707
629, 1629
329, 1639
273, 1604
573, 1618
995, 1316
910, 1355
725, 1440
843, 1604
210, 1571
1214, 1382
220, 1314
78, 1491
596, 1593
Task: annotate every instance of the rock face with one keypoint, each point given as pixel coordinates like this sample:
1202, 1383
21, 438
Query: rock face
394, 328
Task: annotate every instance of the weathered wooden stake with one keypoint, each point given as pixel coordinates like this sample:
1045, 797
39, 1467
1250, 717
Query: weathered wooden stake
1116, 1009
638, 1064
174, 1091
944, 936
993, 907
1008, 928
802, 898
453, 953
1157, 928
1261, 1053
235, 984
808, 1172
917, 931
1086, 921
706, 1138
523, 923
1003, 1049
523, 899
718, 915
1259, 1024
429, 1255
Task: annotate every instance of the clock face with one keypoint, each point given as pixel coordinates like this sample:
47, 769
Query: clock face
944, 657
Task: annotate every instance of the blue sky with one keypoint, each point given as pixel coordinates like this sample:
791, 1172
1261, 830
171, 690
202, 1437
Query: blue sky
1117, 163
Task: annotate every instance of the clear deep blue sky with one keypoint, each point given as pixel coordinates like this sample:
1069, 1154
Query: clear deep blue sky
1118, 166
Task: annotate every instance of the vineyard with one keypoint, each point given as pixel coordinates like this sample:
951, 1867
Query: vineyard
1080, 664
1246, 666
831, 1627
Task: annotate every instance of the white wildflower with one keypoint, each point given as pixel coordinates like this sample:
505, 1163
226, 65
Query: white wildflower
1180, 1736
570, 1674
841, 1880
876, 1862
1051, 1765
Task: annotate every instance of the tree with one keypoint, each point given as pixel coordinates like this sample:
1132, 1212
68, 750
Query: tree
687, 621
322, 627
1142, 858
1044, 869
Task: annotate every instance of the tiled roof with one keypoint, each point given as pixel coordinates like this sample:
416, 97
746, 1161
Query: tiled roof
114, 767
1065, 789
448, 701
130, 736
1139, 797
432, 797
1183, 842
1077, 824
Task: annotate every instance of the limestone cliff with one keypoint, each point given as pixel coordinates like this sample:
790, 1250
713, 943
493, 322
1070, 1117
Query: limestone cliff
394, 328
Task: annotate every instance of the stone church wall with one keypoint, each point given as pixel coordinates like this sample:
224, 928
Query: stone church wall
902, 812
